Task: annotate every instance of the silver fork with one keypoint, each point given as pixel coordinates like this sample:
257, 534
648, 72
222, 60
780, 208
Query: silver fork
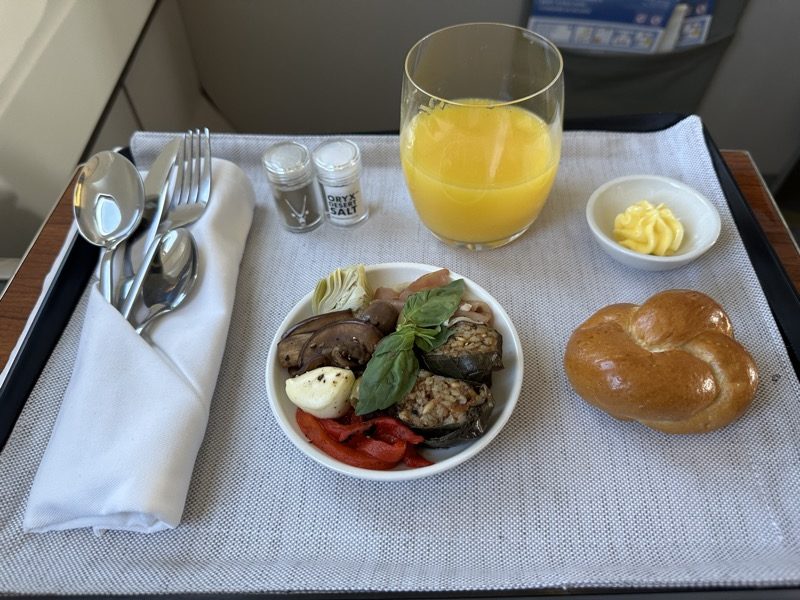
192, 183
188, 198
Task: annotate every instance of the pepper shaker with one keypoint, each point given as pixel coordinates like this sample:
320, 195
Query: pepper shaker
294, 185
338, 163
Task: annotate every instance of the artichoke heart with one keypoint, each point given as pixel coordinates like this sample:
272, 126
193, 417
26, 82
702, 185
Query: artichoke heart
446, 411
472, 352
343, 289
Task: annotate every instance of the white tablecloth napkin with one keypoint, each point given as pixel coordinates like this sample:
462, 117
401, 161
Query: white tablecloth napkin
134, 414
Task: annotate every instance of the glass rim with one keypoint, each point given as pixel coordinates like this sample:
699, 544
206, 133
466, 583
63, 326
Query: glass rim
524, 30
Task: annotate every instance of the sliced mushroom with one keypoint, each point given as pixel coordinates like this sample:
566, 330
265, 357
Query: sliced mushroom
382, 314
346, 344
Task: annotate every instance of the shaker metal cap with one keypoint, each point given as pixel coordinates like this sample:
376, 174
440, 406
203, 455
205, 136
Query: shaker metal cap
287, 163
337, 159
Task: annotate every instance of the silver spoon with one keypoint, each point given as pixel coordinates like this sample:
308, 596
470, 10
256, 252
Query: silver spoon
171, 276
156, 206
108, 203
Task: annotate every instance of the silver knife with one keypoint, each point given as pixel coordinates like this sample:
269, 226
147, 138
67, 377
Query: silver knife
155, 208
154, 188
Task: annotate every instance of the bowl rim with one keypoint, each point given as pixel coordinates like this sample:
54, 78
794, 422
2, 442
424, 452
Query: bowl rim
469, 450
673, 259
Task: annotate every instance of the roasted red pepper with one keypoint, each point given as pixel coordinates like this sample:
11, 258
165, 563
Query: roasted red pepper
379, 443
397, 429
381, 450
413, 459
315, 432
341, 431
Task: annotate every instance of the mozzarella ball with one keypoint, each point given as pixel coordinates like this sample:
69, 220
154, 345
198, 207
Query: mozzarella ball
323, 392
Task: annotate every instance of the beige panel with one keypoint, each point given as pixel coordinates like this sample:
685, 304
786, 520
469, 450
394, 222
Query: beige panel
63, 79
118, 125
753, 101
284, 66
162, 81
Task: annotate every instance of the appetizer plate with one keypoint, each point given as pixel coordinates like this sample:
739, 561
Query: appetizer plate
700, 219
506, 383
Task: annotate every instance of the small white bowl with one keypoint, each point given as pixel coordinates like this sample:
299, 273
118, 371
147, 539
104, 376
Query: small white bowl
506, 383
699, 217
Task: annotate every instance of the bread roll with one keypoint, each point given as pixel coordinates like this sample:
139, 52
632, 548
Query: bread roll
671, 364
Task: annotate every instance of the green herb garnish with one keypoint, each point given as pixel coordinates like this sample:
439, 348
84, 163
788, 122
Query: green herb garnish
392, 370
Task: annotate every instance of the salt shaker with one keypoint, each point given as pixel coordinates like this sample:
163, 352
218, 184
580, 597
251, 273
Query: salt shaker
338, 163
294, 185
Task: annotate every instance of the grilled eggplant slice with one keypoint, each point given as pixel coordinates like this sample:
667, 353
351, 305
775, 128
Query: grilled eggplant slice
379, 313
289, 350
472, 352
317, 322
446, 411
291, 344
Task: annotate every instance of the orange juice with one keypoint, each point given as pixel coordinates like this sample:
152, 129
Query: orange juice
476, 173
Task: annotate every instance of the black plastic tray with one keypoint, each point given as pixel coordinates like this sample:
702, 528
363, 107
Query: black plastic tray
76, 269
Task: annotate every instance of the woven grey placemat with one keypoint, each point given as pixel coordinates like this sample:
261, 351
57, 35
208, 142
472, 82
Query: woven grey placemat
564, 497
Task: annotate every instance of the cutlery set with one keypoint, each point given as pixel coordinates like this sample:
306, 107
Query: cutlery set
114, 208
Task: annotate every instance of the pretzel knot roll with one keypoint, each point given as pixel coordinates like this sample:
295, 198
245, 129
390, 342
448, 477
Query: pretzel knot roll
671, 364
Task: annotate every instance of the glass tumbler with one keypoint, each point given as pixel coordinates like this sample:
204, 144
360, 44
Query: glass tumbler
480, 131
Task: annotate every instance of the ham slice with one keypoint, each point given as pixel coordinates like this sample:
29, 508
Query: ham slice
477, 312
427, 282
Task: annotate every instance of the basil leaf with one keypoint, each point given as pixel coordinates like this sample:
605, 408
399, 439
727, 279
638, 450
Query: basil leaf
393, 343
392, 370
423, 332
390, 373
432, 338
429, 308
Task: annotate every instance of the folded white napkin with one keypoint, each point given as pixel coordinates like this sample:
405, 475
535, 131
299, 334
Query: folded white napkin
124, 444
